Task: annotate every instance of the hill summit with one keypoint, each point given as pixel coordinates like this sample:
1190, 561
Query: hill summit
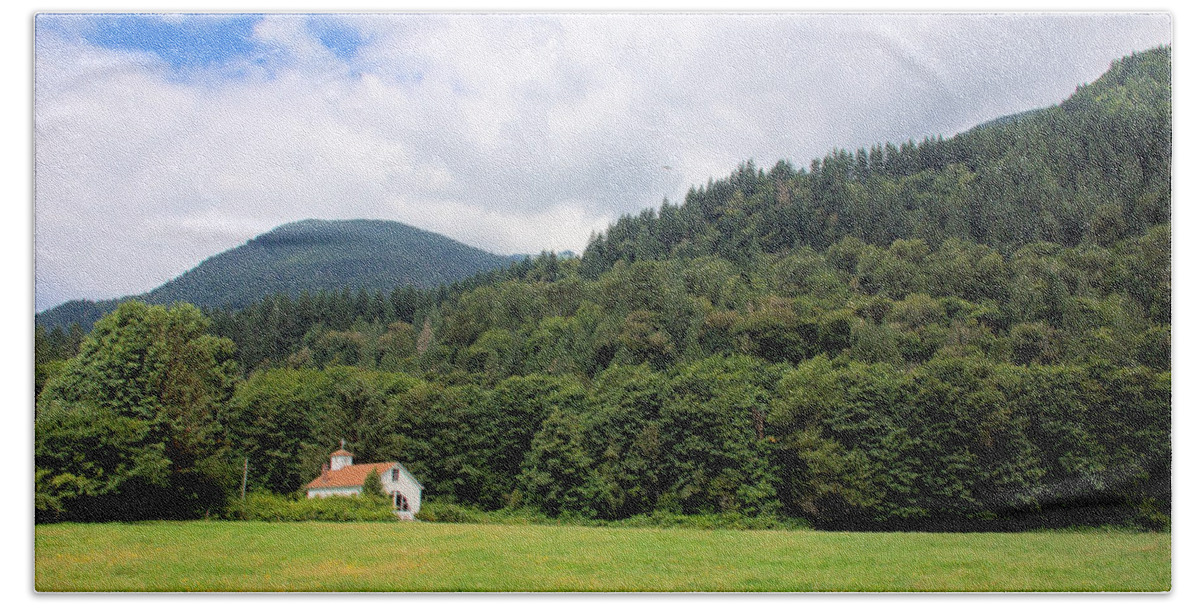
309, 255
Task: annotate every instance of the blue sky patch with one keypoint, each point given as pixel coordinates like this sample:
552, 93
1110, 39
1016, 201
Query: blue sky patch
341, 39
186, 42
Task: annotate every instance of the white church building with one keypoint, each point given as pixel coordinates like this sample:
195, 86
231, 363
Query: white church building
341, 477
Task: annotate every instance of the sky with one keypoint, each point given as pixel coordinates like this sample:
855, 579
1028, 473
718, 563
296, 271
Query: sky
160, 140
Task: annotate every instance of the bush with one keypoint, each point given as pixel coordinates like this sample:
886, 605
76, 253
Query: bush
715, 521
372, 486
451, 513
444, 511
448, 512
265, 506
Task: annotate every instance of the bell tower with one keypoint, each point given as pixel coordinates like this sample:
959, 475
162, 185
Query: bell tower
341, 458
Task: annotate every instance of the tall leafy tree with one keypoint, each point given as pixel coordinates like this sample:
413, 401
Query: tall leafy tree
146, 392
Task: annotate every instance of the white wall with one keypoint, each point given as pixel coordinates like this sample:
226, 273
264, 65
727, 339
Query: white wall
405, 486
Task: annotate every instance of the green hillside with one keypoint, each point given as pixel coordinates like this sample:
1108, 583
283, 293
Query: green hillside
310, 255
970, 333
1094, 169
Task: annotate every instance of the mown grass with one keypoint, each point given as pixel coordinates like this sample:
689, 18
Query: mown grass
416, 556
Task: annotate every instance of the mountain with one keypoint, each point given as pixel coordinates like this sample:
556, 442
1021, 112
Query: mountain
1095, 168
309, 255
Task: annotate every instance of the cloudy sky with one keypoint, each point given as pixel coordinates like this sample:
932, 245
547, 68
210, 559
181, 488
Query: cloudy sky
162, 140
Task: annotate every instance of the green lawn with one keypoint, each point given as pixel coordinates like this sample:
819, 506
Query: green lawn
417, 556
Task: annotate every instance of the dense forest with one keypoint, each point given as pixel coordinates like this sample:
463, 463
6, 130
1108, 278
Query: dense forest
962, 333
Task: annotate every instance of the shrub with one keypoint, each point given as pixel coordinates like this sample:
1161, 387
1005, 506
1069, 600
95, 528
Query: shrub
712, 521
441, 511
264, 506
448, 512
372, 487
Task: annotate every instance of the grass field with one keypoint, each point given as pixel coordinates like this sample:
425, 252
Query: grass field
255, 556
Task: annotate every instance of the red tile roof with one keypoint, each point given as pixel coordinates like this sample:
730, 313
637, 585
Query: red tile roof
349, 477
342, 452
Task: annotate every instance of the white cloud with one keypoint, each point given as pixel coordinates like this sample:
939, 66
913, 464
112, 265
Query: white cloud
514, 133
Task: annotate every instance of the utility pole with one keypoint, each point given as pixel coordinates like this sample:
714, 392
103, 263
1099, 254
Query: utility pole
245, 467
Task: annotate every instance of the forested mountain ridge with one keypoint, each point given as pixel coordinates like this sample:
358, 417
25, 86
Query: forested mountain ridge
1095, 168
309, 255
315, 255
971, 333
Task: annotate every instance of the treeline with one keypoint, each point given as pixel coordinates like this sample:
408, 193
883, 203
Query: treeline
971, 333
956, 443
